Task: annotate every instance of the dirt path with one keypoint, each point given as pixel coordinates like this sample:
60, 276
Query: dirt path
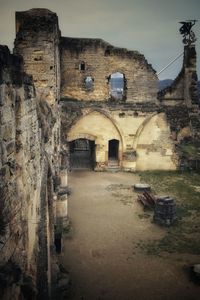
102, 257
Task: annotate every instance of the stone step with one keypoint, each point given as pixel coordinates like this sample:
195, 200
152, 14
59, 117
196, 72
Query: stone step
113, 166
117, 169
113, 163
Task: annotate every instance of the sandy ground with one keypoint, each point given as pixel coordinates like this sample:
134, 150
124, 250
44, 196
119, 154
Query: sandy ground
101, 254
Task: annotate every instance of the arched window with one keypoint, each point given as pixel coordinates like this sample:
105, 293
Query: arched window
117, 86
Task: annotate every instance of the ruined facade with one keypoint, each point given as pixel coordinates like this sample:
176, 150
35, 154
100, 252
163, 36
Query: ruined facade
137, 131
68, 103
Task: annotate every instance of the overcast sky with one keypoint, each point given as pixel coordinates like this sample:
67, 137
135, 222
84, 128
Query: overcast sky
149, 26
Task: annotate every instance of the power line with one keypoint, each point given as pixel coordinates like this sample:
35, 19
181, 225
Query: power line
169, 64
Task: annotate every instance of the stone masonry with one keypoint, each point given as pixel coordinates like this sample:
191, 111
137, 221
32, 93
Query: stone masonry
100, 60
29, 143
37, 40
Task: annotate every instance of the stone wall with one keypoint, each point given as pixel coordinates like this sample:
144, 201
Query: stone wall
29, 160
37, 40
99, 60
183, 90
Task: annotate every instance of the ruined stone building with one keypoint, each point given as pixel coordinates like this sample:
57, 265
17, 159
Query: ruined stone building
70, 103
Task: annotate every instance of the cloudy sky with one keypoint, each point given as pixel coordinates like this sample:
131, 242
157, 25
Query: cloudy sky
149, 26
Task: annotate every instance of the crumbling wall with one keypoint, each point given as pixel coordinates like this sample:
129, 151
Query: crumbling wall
28, 161
99, 60
183, 90
37, 40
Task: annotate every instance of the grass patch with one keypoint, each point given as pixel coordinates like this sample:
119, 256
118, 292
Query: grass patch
177, 240
180, 185
183, 237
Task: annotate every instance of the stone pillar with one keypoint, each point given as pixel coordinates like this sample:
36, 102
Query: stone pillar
37, 40
62, 220
190, 76
62, 200
63, 178
61, 207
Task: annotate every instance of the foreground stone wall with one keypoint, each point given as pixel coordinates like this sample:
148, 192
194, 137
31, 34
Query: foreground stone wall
99, 60
26, 179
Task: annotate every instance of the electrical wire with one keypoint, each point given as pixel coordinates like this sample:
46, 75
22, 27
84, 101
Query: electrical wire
169, 64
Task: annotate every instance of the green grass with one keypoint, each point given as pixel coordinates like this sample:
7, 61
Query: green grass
184, 236
181, 185
171, 245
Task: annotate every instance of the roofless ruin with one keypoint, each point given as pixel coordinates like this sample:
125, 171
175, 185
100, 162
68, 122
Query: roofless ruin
72, 103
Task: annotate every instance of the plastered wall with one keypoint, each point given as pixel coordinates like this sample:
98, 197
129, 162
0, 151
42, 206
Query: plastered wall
145, 142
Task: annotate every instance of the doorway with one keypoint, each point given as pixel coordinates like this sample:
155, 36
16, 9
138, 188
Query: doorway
113, 149
82, 154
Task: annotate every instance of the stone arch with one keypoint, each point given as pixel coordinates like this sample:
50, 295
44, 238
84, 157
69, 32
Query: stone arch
105, 114
97, 126
153, 144
141, 128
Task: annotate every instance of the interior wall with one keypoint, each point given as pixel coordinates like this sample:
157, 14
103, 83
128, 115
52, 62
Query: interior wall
145, 140
155, 148
100, 126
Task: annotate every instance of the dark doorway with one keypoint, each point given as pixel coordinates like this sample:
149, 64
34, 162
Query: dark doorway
58, 242
113, 149
82, 154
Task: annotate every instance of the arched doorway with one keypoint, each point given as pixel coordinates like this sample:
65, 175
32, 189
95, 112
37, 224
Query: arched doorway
113, 150
98, 127
82, 154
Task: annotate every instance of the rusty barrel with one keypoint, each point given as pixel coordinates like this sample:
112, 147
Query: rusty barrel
165, 211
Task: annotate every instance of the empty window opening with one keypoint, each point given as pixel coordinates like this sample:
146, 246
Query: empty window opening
113, 149
122, 115
82, 66
89, 83
82, 154
58, 243
38, 58
107, 52
117, 86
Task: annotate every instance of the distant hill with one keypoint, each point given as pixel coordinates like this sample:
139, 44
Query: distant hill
198, 86
166, 82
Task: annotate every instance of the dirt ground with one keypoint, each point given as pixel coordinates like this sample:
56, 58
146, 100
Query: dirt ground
101, 252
